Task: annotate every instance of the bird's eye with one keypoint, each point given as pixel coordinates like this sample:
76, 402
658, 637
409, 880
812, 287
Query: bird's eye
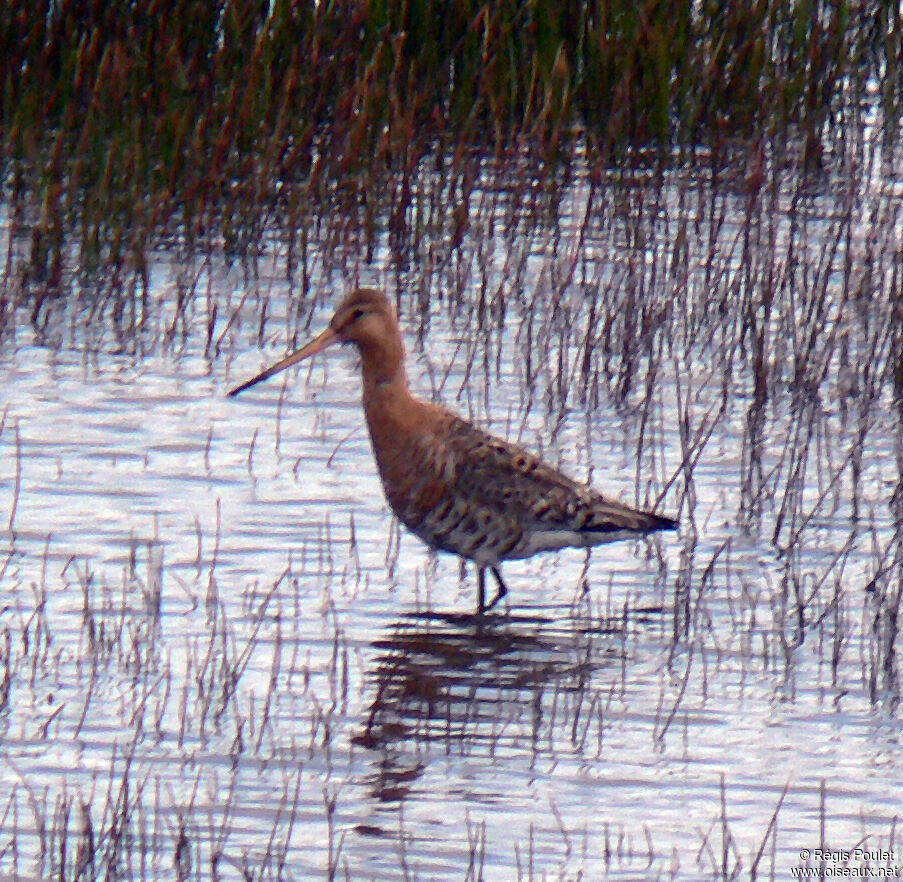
357, 314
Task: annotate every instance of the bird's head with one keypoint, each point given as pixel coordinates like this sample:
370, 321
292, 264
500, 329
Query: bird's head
365, 318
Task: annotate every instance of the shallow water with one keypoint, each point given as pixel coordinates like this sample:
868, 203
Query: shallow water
219, 653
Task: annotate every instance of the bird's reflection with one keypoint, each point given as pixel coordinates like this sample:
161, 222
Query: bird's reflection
476, 684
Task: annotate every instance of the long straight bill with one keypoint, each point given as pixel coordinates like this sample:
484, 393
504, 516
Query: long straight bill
318, 344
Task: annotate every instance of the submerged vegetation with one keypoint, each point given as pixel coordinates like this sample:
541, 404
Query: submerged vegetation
124, 124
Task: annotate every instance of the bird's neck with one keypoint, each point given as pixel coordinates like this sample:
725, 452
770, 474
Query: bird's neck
383, 365
394, 415
385, 380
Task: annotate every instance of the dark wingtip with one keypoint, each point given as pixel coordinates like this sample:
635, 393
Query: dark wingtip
638, 523
664, 523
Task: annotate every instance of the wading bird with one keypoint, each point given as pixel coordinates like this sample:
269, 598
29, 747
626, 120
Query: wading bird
456, 487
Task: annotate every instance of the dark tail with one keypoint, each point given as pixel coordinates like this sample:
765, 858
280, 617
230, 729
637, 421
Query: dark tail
660, 522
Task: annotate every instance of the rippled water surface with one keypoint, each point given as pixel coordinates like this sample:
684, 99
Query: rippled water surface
220, 657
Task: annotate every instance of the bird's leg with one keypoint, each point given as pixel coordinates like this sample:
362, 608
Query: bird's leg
481, 590
503, 588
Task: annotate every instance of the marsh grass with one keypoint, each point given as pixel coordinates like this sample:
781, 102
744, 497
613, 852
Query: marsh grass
218, 122
438, 686
679, 234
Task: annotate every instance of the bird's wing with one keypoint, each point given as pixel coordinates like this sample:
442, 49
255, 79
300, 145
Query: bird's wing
507, 477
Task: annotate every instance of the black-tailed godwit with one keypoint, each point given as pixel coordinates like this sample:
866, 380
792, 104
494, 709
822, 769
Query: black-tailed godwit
456, 487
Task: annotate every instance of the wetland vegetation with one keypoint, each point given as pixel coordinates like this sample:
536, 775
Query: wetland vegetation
660, 246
